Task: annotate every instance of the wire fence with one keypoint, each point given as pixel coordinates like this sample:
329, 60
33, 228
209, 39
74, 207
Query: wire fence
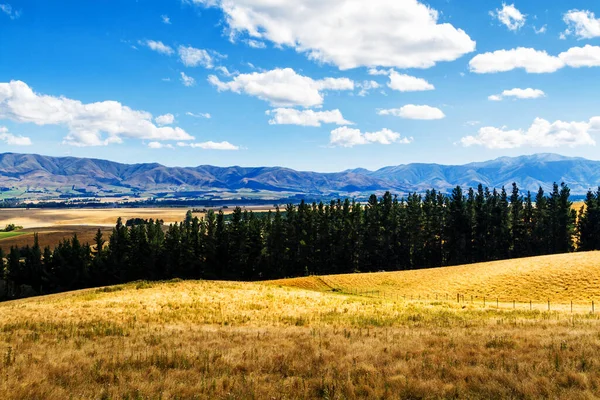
485, 302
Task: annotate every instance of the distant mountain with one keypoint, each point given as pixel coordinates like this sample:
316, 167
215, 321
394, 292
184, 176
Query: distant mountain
61, 175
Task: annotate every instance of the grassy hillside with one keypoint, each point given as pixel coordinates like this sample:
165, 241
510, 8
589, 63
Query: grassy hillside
229, 340
560, 278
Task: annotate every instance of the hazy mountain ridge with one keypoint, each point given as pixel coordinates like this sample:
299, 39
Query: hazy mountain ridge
529, 172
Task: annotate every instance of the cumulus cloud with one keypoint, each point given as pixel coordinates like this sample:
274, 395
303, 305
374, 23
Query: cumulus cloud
210, 145
157, 46
165, 19
391, 33
535, 61
159, 145
10, 11
166, 119
198, 115
576, 57
509, 16
192, 57
531, 60
541, 30
407, 83
366, 87
187, 80
282, 87
13, 140
528, 93
582, 23
350, 137
91, 124
291, 116
541, 133
411, 111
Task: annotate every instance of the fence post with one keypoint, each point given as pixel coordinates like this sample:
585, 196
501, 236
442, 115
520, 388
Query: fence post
458, 298
484, 301
497, 305
514, 305
530, 307
592, 306
548, 304
471, 299
571, 306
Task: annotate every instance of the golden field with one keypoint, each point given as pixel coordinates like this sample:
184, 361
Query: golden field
273, 340
41, 217
559, 278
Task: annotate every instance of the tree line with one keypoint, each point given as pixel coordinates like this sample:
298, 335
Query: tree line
344, 236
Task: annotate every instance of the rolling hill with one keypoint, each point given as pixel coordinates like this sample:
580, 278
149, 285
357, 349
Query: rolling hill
55, 175
255, 340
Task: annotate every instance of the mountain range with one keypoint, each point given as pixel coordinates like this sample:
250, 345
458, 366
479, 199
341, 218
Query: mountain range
55, 175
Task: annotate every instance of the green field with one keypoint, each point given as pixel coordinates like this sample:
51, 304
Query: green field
6, 235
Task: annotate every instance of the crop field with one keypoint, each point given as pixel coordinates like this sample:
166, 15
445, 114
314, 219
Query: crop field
54, 225
230, 340
12, 234
51, 236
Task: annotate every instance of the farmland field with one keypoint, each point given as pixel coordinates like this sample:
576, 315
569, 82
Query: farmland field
12, 234
201, 339
54, 225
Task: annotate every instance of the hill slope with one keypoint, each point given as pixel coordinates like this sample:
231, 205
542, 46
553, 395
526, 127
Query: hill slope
558, 278
208, 340
62, 174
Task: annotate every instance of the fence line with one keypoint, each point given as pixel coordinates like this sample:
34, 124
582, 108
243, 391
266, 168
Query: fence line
485, 301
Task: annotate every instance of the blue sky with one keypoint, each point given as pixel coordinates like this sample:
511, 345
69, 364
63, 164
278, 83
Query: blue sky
308, 84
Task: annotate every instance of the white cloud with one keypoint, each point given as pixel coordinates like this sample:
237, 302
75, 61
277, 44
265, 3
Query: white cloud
187, 80
541, 30
473, 123
92, 124
255, 44
166, 119
531, 60
282, 87
390, 33
210, 145
576, 57
13, 140
541, 133
225, 71
411, 111
165, 19
291, 116
192, 57
407, 83
11, 12
582, 23
535, 61
350, 137
510, 16
198, 115
528, 93
367, 86
159, 145
157, 46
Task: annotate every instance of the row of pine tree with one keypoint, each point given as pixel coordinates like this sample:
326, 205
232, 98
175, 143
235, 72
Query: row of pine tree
387, 233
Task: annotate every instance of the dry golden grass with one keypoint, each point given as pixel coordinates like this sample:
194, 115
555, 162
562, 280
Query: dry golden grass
559, 278
228, 340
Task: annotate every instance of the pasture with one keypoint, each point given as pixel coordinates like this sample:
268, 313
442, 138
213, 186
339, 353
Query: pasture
288, 339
